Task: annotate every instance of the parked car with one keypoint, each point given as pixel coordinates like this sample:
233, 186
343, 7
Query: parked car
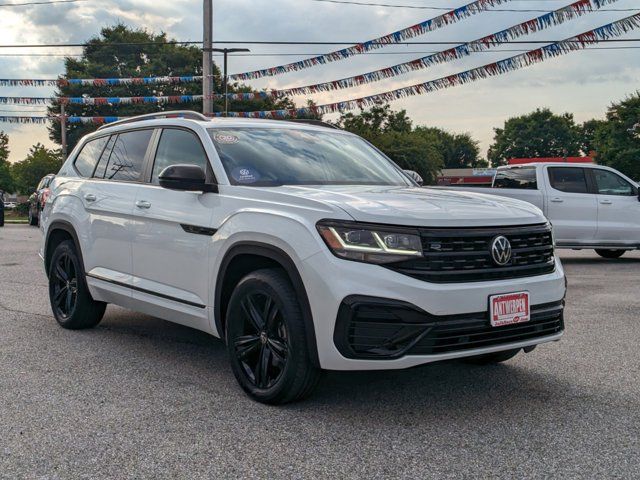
302, 246
590, 206
38, 198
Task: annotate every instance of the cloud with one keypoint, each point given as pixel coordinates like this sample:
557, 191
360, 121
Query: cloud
582, 82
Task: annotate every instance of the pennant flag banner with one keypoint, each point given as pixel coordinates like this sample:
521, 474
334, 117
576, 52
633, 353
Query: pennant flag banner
96, 120
547, 20
435, 23
25, 100
50, 82
510, 64
25, 82
17, 119
130, 81
128, 100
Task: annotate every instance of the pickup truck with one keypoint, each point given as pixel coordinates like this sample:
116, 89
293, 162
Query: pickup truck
589, 206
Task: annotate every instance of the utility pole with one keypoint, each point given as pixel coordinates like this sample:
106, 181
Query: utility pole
207, 61
225, 77
63, 131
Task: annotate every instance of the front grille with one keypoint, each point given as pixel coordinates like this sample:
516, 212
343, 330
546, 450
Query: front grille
374, 328
464, 255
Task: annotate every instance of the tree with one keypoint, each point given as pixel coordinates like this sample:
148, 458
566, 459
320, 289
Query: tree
6, 179
39, 162
617, 140
459, 150
112, 55
393, 133
538, 134
587, 135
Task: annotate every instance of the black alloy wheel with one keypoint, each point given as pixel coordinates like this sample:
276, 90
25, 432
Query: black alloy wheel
71, 302
267, 340
611, 254
65, 287
263, 348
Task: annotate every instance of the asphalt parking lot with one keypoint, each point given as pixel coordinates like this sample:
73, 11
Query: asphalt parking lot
138, 397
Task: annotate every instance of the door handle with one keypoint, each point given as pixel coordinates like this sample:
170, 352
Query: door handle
557, 200
143, 204
606, 202
90, 197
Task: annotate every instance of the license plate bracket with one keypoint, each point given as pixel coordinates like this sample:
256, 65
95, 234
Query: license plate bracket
509, 309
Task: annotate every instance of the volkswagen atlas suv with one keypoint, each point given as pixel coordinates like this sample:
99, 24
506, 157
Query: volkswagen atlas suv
303, 247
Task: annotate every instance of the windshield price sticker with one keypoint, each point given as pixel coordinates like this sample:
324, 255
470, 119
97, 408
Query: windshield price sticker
509, 309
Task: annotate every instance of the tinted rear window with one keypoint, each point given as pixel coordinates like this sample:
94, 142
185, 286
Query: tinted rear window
88, 157
524, 178
126, 159
570, 180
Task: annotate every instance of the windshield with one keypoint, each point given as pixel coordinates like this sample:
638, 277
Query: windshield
281, 156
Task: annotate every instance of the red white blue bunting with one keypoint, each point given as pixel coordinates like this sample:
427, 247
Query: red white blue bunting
50, 82
23, 120
501, 67
435, 23
25, 100
542, 22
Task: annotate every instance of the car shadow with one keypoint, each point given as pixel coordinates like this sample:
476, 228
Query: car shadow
392, 396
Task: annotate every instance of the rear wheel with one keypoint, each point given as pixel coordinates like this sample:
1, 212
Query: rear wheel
71, 302
610, 253
266, 339
33, 219
491, 358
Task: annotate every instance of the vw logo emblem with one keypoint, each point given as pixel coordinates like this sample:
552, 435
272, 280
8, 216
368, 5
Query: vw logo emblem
501, 250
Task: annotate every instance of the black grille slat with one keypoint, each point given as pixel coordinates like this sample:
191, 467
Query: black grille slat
463, 255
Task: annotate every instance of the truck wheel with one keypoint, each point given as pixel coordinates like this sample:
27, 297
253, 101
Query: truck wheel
492, 358
71, 302
610, 253
266, 339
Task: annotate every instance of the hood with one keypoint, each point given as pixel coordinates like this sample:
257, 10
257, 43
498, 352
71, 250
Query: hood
420, 206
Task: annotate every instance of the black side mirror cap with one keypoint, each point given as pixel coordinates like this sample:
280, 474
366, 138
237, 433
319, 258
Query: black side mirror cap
415, 176
189, 178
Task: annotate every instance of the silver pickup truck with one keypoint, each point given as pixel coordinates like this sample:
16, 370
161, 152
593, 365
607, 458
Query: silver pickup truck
590, 206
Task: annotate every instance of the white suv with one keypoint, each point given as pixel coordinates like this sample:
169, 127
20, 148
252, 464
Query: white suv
302, 246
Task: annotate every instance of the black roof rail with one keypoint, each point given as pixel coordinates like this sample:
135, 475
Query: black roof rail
312, 121
189, 114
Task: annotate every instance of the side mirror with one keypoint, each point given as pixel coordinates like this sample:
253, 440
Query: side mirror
190, 178
414, 176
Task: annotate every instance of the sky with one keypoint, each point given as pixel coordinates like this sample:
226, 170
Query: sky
584, 83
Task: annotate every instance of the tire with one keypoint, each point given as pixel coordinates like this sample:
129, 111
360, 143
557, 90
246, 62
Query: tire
493, 358
267, 340
33, 219
71, 302
610, 253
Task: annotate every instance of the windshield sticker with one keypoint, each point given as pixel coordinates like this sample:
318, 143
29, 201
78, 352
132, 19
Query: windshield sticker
226, 138
245, 175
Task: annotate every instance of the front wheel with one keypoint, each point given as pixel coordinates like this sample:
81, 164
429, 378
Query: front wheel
610, 253
267, 340
69, 295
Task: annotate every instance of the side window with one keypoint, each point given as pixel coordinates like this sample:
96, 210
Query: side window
126, 159
570, 180
178, 146
104, 159
608, 183
523, 178
86, 160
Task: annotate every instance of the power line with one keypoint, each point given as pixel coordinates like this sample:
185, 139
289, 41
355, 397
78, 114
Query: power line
39, 3
408, 52
425, 7
265, 42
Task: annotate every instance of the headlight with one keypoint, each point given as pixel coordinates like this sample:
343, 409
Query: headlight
370, 243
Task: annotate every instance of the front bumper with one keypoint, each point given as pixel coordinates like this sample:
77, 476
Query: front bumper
330, 281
